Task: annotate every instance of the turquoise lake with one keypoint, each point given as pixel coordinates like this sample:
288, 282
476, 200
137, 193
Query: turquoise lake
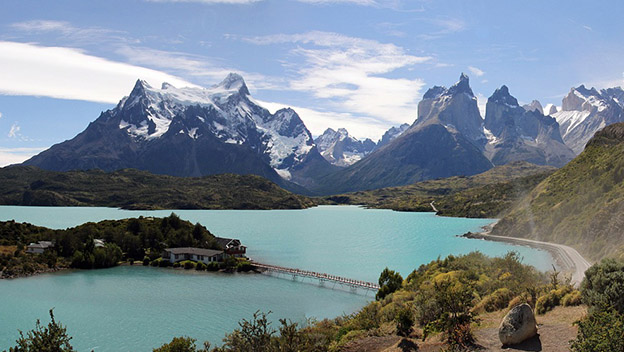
138, 308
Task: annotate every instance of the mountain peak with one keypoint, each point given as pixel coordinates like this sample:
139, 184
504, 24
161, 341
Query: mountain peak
234, 81
501, 95
462, 86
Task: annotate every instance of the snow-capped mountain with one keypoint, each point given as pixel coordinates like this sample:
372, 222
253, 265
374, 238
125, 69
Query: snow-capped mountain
522, 133
341, 149
190, 132
391, 134
586, 111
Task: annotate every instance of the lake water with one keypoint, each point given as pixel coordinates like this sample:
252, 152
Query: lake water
137, 308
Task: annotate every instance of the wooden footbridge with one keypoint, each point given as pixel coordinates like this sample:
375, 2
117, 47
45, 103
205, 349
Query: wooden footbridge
322, 277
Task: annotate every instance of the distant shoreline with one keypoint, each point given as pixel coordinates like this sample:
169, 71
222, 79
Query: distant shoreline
567, 259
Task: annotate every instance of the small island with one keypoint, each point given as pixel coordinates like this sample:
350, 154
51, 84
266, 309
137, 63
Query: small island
27, 249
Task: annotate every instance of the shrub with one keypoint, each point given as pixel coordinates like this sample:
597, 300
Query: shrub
497, 300
244, 266
200, 266
600, 331
404, 321
213, 266
131, 261
146, 261
163, 263
550, 300
603, 285
572, 299
53, 337
176, 264
155, 262
188, 264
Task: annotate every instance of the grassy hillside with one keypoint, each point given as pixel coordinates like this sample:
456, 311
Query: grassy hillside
134, 189
483, 195
582, 204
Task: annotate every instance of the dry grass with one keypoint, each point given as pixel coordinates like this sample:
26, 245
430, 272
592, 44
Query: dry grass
7, 250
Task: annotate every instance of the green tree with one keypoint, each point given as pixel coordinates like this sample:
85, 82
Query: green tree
454, 303
52, 338
600, 331
252, 335
404, 321
182, 344
389, 281
603, 286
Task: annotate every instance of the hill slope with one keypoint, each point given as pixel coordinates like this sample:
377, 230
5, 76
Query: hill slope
134, 189
582, 204
483, 195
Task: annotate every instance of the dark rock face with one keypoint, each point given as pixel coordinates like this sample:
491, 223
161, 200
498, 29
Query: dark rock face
446, 140
456, 108
341, 149
518, 325
585, 111
190, 132
392, 133
518, 134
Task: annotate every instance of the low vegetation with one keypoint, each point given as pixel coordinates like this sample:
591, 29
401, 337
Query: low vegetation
441, 300
485, 195
128, 239
134, 189
602, 330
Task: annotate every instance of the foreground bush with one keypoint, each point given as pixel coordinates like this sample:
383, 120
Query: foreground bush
52, 338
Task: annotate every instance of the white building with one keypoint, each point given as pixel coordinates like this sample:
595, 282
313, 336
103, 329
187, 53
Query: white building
39, 247
189, 253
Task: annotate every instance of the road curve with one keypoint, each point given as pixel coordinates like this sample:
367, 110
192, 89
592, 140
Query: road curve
568, 259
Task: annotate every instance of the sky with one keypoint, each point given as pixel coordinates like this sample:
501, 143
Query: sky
359, 64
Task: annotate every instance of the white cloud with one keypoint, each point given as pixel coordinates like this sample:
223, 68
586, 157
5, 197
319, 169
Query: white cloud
187, 65
209, 2
58, 72
0, 115
318, 121
10, 156
14, 131
346, 74
476, 71
67, 31
355, 2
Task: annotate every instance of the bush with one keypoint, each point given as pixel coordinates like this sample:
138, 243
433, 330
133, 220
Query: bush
146, 261
200, 266
213, 266
552, 299
572, 299
50, 338
600, 331
155, 262
404, 321
497, 300
176, 264
603, 286
188, 264
163, 263
244, 266
131, 261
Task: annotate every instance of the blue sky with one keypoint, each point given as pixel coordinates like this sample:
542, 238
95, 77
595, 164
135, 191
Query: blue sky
359, 64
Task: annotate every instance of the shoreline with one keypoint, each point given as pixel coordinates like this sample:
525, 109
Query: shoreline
567, 259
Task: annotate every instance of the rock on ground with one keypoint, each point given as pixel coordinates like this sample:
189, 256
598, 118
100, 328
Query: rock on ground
518, 325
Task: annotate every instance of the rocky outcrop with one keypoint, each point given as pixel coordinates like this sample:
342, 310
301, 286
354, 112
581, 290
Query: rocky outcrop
518, 325
391, 134
522, 134
535, 105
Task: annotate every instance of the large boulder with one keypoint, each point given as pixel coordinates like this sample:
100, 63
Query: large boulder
518, 325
